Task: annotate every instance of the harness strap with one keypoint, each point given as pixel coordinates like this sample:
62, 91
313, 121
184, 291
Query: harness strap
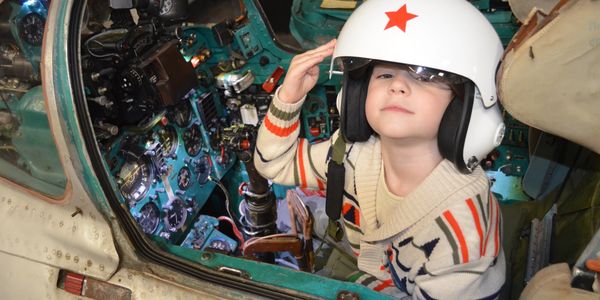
336, 173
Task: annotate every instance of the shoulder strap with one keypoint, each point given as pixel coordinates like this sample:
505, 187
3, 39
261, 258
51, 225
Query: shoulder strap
336, 173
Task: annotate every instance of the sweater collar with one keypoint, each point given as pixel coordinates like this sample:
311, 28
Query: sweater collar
437, 187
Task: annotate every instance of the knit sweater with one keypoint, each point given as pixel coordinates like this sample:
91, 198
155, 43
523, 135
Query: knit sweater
444, 240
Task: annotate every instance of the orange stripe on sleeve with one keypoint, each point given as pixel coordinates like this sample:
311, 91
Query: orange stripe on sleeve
280, 131
301, 163
477, 224
459, 235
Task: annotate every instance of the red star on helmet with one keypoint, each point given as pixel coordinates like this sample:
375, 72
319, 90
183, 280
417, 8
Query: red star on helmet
399, 18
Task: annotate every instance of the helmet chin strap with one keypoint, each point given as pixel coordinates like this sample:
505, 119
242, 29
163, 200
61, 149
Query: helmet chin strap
336, 174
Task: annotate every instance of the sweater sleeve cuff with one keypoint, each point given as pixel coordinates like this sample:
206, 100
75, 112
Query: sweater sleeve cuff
283, 118
290, 109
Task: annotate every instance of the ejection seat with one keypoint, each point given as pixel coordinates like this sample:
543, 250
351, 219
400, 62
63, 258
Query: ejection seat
550, 80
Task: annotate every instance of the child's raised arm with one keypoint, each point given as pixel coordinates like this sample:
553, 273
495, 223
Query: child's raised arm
303, 73
280, 155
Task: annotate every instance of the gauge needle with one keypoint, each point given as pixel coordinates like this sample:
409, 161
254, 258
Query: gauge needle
129, 175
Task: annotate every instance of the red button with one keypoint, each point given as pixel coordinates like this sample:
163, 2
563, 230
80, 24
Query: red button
245, 145
315, 131
271, 82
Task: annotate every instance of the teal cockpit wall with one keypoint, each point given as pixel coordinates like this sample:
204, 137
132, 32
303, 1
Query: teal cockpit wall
35, 144
28, 155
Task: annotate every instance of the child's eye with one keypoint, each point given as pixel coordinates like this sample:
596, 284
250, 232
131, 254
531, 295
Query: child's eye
420, 77
384, 76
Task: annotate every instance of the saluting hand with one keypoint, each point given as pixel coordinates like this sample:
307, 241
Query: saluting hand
303, 73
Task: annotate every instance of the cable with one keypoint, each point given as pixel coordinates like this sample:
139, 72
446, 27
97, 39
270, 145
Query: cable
220, 185
99, 55
256, 239
285, 263
236, 231
243, 12
113, 34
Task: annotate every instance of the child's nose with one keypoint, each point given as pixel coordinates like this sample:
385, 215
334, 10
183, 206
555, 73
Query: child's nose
399, 84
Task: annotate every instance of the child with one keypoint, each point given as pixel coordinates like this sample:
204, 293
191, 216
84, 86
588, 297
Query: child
417, 114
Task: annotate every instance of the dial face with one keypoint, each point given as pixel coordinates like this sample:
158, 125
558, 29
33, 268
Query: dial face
167, 137
182, 114
149, 217
192, 140
31, 29
176, 215
166, 7
135, 179
184, 178
203, 168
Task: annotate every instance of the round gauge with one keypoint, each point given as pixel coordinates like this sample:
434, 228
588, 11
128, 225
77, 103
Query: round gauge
149, 217
192, 140
176, 215
203, 168
166, 7
184, 178
31, 28
135, 179
167, 137
182, 114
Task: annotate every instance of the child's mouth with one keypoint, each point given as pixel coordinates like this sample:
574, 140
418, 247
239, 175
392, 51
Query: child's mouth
397, 108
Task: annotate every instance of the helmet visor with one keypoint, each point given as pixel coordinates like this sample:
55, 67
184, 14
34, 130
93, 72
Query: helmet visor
356, 67
352, 63
434, 77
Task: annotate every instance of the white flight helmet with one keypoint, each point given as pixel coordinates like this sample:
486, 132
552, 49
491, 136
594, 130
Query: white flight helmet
443, 36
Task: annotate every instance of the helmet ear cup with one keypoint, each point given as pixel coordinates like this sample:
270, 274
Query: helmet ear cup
353, 119
455, 124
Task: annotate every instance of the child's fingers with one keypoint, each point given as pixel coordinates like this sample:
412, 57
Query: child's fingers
325, 47
310, 56
301, 67
305, 56
313, 71
329, 44
318, 57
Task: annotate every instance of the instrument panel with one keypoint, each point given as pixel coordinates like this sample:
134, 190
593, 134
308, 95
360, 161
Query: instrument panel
163, 172
173, 108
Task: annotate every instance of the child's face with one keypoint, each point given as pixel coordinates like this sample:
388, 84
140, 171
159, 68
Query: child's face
400, 106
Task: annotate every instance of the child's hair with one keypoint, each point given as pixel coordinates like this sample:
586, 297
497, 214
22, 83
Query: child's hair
426, 34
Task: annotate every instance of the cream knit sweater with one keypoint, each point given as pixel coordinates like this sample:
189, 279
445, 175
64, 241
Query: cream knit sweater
443, 242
